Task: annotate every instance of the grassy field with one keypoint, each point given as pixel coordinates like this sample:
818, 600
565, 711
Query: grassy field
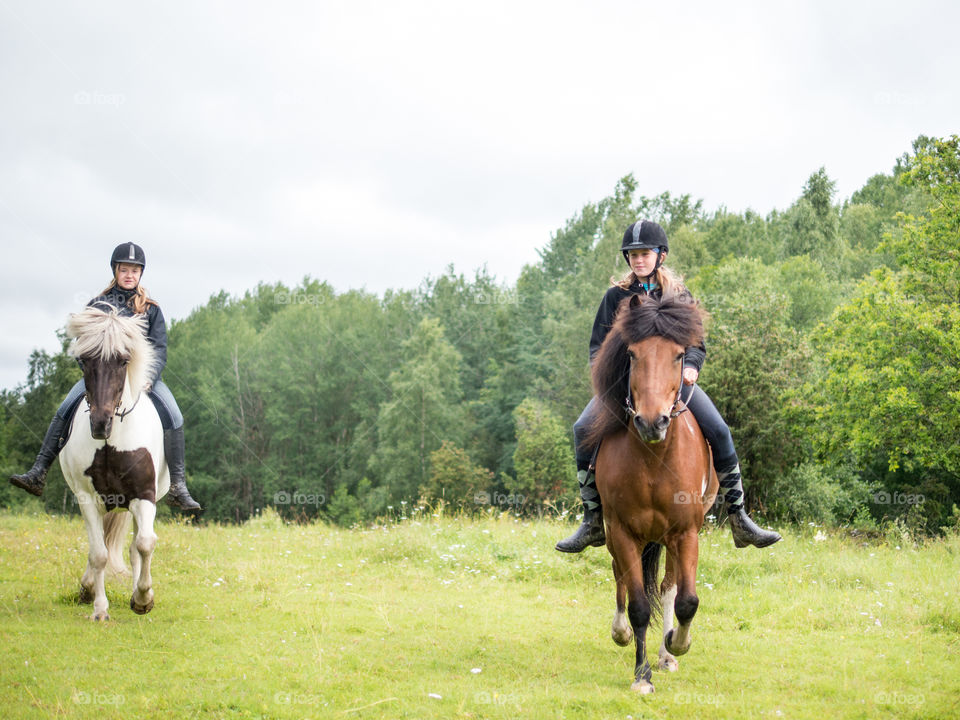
443, 617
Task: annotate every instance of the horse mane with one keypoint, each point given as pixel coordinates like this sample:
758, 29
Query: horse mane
677, 318
103, 334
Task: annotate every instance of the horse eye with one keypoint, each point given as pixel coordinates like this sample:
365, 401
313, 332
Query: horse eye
679, 358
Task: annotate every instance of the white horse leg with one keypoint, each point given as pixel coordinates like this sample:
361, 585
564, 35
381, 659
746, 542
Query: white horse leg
667, 661
620, 630
92, 580
141, 553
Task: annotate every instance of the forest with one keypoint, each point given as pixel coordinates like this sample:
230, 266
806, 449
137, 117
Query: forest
833, 352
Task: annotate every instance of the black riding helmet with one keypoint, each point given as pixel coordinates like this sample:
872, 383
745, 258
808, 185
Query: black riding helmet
644, 234
128, 253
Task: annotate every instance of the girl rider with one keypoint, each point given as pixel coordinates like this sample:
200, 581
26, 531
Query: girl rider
126, 294
645, 248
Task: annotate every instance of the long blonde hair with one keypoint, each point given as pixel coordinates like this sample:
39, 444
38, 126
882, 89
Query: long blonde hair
140, 300
671, 284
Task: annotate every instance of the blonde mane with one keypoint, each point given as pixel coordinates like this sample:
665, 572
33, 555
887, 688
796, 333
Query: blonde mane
107, 334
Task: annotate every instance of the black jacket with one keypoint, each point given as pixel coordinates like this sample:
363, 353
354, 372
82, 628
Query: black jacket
606, 314
156, 325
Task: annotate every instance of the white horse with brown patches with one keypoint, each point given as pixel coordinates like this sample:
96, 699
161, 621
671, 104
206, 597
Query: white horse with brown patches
114, 457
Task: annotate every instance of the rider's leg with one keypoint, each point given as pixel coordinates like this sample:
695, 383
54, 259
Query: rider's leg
34, 479
173, 445
590, 531
727, 465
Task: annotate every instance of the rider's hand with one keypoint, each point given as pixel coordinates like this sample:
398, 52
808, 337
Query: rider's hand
690, 375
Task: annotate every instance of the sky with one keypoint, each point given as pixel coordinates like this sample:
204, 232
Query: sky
373, 144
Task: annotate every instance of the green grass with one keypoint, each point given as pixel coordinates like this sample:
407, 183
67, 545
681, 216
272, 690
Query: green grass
283, 621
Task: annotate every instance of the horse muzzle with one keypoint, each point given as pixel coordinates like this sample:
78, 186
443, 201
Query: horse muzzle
652, 432
100, 427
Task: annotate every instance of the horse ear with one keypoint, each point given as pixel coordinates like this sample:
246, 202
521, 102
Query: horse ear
635, 300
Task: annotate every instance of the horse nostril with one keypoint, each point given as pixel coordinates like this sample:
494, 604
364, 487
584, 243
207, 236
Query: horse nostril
662, 422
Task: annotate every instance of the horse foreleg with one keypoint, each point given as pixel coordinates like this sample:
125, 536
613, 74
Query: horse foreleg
141, 553
626, 554
621, 631
677, 641
92, 582
668, 594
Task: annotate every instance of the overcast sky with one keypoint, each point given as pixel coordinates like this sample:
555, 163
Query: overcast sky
371, 144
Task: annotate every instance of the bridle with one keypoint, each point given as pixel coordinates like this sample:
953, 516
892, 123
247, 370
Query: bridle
675, 410
117, 411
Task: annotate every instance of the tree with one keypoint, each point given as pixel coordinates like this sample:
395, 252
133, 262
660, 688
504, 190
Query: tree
422, 410
811, 226
755, 359
456, 479
893, 351
546, 472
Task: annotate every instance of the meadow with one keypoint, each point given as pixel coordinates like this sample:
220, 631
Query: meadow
438, 616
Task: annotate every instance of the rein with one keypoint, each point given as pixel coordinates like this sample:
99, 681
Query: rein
117, 412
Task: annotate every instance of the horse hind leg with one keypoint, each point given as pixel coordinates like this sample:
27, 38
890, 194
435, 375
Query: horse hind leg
621, 631
668, 594
141, 554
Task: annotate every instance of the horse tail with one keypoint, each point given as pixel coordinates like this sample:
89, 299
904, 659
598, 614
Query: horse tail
650, 560
116, 526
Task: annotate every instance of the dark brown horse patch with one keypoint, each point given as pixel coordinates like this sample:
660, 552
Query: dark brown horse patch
120, 476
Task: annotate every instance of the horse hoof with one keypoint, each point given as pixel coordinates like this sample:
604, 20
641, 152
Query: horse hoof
86, 595
141, 609
100, 616
668, 663
622, 638
671, 648
642, 686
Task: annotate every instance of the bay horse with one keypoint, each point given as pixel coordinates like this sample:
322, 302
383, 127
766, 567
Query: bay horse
653, 472
114, 457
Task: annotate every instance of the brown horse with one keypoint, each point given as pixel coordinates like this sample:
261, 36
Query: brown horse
654, 473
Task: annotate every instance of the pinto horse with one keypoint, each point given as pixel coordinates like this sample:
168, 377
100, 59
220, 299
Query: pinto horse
653, 471
114, 458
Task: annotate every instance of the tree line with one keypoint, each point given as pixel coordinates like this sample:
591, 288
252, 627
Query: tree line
833, 353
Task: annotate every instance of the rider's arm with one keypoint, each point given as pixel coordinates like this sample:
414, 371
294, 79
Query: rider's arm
157, 335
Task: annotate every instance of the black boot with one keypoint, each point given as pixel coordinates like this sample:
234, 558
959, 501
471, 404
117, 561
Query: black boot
35, 478
590, 532
173, 448
745, 530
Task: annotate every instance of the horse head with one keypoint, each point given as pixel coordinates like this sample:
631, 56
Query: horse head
115, 356
639, 369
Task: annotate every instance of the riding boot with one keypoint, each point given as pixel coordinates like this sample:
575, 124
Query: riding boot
34, 479
173, 448
590, 532
745, 531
